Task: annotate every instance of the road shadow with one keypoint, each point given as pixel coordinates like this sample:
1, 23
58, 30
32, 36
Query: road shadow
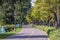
27, 36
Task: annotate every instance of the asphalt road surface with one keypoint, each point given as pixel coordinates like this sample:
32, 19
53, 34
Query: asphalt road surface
29, 33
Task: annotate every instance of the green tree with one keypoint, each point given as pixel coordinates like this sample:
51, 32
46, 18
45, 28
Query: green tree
18, 7
46, 11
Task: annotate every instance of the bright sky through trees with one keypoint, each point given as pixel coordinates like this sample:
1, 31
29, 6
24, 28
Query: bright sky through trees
32, 2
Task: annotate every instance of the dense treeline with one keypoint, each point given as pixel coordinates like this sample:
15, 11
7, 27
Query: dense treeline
46, 12
17, 11
12, 11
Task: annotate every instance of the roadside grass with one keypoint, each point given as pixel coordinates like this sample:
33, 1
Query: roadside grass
53, 33
10, 33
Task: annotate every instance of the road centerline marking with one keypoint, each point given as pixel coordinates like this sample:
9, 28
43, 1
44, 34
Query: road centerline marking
30, 35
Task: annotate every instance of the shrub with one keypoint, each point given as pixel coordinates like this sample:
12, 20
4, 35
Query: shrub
53, 33
1, 24
8, 28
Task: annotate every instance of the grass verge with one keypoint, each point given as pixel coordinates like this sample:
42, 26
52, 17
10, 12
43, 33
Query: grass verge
10, 33
54, 34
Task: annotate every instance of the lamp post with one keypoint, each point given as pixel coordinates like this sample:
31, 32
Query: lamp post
15, 20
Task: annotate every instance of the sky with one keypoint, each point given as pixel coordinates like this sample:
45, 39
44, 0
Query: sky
32, 2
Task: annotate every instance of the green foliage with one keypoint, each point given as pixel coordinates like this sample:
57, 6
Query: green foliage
42, 10
10, 33
54, 34
10, 7
45, 28
1, 23
28, 20
8, 28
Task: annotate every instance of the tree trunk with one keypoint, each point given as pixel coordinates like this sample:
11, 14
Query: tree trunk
55, 19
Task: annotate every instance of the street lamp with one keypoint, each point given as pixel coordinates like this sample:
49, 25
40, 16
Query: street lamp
15, 20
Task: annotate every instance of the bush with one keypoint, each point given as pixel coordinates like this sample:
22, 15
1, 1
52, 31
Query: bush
53, 33
7, 34
8, 28
45, 28
1, 24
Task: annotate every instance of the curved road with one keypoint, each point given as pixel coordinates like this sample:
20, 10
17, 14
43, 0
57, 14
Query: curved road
29, 33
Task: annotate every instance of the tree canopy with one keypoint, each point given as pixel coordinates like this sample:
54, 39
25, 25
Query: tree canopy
46, 11
14, 9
